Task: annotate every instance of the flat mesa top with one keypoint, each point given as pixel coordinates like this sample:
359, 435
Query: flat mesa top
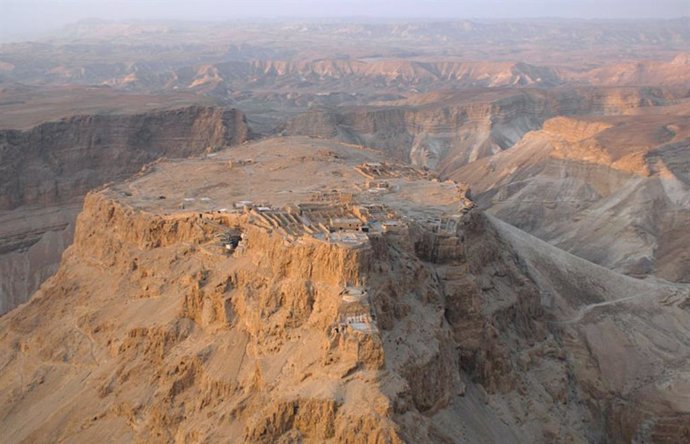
279, 172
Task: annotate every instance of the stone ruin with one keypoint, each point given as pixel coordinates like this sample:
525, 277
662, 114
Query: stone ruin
355, 312
383, 170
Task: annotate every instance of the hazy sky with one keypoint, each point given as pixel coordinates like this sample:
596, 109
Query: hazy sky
22, 18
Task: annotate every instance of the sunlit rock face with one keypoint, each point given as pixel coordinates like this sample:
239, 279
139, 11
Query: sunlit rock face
427, 320
46, 171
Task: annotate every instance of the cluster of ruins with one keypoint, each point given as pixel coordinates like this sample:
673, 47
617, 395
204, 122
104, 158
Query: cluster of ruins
351, 219
333, 221
344, 217
384, 170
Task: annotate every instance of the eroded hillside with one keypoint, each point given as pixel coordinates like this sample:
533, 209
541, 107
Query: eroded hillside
613, 190
448, 129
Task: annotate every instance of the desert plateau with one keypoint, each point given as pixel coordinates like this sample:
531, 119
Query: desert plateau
351, 229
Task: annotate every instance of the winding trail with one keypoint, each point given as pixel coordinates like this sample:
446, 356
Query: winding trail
588, 308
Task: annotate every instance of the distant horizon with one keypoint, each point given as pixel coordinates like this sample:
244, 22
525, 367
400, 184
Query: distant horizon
375, 19
7, 36
28, 19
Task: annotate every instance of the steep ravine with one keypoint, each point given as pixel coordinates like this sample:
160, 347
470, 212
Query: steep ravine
45, 172
446, 131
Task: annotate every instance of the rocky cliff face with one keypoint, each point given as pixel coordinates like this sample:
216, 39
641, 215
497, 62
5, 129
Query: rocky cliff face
432, 332
445, 132
45, 172
158, 338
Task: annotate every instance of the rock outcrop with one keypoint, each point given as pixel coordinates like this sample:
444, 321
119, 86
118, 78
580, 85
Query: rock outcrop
443, 329
46, 171
246, 347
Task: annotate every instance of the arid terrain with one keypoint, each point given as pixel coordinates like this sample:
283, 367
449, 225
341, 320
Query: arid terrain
346, 231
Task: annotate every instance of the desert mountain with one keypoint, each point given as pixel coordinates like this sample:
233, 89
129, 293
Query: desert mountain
435, 324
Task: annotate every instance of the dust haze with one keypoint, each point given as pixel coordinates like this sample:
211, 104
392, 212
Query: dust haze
27, 19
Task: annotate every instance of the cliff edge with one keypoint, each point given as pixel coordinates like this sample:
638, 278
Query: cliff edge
295, 290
